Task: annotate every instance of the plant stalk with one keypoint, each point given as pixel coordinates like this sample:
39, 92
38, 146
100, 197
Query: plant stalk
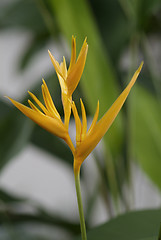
80, 205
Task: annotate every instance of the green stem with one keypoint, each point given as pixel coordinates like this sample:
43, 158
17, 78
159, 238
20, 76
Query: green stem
80, 206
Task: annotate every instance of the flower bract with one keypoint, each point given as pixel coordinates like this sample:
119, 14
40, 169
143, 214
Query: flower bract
47, 116
87, 141
70, 78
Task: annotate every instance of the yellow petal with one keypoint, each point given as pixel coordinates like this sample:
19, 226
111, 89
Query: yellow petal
63, 67
83, 48
39, 103
46, 101
77, 70
92, 139
66, 99
73, 54
63, 84
52, 125
49, 105
77, 124
62, 81
34, 107
84, 121
93, 124
67, 102
56, 64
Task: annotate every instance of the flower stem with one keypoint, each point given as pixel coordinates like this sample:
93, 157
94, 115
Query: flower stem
80, 206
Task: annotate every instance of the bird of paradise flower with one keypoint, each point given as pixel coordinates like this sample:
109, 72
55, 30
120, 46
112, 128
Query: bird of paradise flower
48, 117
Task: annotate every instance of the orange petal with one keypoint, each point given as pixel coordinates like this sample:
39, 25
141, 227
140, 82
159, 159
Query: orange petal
92, 139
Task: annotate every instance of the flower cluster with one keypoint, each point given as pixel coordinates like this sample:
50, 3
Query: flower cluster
48, 117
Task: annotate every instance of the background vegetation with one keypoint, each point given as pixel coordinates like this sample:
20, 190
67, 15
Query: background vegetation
120, 34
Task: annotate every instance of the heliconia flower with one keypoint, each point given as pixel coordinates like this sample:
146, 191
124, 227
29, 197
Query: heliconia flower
70, 78
48, 117
87, 141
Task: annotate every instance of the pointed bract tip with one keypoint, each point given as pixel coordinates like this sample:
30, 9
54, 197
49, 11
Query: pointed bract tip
10, 99
64, 59
43, 80
85, 42
50, 54
141, 65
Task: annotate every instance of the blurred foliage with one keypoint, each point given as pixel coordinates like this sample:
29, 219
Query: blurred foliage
159, 237
29, 16
147, 133
120, 34
39, 216
15, 132
139, 225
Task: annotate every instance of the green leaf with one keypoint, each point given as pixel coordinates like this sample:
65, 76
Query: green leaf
146, 133
139, 225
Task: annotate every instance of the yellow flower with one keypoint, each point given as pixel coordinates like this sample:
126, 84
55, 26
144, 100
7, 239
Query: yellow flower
49, 118
87, 141
70, 78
